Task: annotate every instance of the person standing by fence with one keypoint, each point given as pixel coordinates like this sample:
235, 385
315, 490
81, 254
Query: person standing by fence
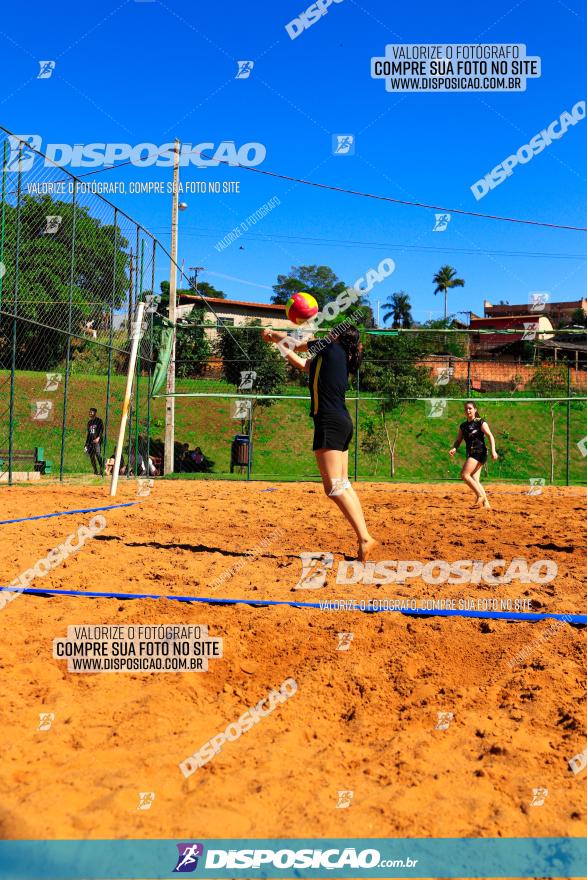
94, 442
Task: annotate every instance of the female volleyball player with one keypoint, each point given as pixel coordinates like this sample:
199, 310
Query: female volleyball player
333, 358
474, 431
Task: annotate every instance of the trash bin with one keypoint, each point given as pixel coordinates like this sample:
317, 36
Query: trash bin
239, 452
40, 463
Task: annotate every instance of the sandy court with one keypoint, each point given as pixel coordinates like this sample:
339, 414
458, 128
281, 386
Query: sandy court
362, 720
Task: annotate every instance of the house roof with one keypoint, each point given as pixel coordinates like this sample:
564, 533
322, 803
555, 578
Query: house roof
504, 319
514, 308
215, 300
579, 345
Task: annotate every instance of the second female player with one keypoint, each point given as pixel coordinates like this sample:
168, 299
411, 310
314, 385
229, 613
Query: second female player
473, 431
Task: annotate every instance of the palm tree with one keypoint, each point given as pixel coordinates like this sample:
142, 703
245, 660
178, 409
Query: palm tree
445, 279
399, 308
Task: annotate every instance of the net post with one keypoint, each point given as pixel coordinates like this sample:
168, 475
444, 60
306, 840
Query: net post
69, 325
250, 432
137, 381
357, 424
568, 475
14, 316
136, 336
3, 213
111, 332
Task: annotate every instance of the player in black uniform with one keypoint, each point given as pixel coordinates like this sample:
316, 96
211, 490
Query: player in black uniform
474, 431
331, 361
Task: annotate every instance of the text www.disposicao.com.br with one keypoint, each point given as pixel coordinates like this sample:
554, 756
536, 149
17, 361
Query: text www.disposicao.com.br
134, 664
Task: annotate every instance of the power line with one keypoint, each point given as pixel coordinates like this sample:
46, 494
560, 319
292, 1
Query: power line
412, 204
206, 232
365, 195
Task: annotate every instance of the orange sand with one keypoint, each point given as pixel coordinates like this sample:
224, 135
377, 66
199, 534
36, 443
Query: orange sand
362, 720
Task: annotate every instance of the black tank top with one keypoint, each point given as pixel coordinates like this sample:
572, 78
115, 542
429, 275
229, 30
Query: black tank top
328, 377
473, 436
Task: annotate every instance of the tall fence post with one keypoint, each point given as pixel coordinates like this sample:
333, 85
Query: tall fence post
14, 311
137, 414
250, 433
129, 446
357, 424
111, 333
568, 473
3, 217
69, 321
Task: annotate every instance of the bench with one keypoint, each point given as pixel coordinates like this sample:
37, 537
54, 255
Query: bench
29, 456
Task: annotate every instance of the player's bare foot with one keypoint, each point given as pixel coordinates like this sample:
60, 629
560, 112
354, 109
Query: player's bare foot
480, 501
486, 503
366, 548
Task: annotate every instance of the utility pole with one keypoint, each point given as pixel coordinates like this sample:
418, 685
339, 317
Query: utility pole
195, 270
466, 312
172, 313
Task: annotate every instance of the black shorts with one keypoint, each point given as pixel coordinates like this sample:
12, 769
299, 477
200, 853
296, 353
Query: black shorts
479, 455
333, 430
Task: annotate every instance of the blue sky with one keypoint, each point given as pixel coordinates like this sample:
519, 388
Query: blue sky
135, 72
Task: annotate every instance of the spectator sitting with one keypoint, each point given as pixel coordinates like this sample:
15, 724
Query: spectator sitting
136, 463
182, 462
110, 466
197, 458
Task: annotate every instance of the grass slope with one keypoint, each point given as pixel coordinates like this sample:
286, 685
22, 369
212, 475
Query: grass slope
283, 431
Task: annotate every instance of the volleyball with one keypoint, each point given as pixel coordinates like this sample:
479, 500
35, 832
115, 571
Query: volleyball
301, 307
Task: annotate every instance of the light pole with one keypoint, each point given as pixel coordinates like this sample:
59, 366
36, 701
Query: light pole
170, 401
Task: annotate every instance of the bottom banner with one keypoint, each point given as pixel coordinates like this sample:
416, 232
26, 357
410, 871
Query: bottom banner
292, 857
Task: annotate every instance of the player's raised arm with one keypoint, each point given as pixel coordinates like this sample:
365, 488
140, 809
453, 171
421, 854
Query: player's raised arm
276, 336
290, 355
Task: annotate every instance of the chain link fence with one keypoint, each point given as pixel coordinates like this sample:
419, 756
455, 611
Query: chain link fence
535, 406
72, 269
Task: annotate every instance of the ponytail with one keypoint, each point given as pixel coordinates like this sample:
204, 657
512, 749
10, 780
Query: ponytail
350, 340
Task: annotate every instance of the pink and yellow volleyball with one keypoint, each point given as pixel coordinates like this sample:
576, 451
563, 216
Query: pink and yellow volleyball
300, 307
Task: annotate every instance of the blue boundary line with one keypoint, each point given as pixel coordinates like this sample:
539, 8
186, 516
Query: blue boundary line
576, 619
4, 522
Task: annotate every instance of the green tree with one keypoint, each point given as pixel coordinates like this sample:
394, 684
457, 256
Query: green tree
399, 308
373, 438
578, 318
392, 369
444, 343
205, 289
193, 346
45, 280
243, 349
445, 279
319, 281
550, 380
